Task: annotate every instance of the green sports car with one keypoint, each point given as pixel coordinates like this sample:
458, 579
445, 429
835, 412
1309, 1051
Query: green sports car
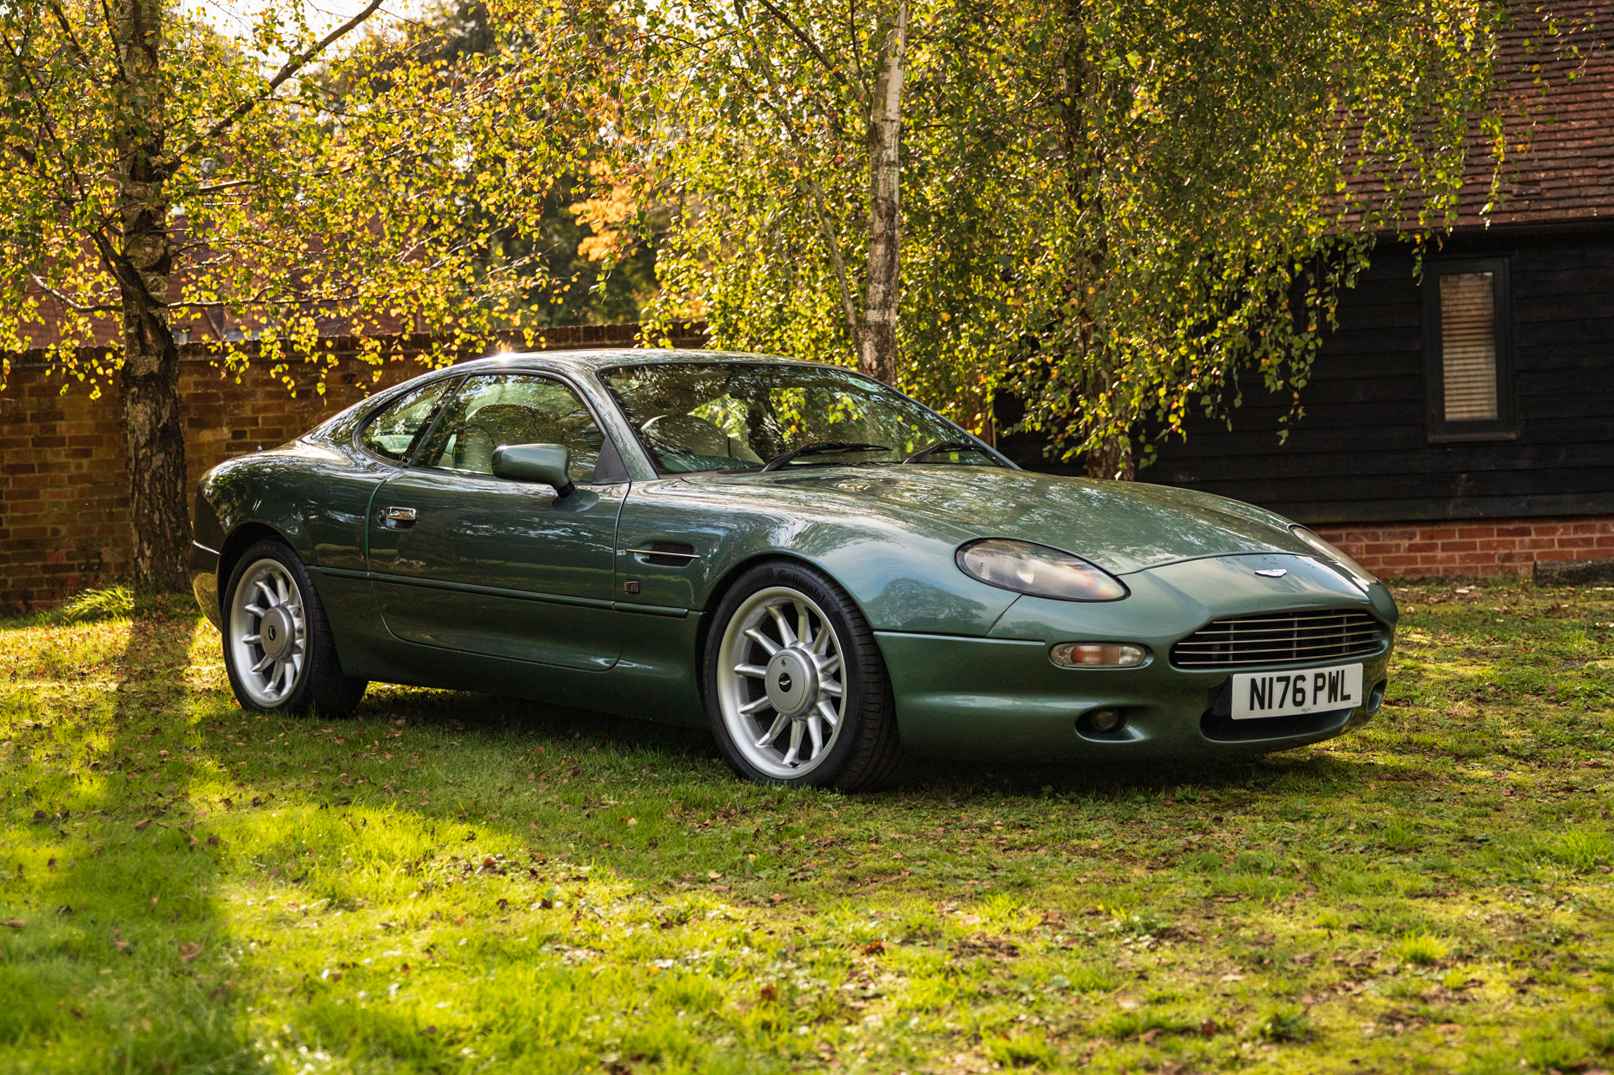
818, 567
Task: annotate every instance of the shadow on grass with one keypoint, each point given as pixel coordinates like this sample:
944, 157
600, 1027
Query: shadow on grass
122, 963
518, 721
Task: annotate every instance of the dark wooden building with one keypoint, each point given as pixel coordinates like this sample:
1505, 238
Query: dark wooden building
1462, 422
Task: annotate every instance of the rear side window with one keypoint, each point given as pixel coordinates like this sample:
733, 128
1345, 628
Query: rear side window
392, 433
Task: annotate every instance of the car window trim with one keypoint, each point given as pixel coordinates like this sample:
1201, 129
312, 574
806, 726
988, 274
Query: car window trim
386, 401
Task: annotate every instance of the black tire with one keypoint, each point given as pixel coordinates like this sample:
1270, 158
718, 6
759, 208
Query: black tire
316, 681
863, 746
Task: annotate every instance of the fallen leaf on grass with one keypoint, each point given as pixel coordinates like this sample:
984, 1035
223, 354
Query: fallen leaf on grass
16, 923
189, 952
985, 944
141, 825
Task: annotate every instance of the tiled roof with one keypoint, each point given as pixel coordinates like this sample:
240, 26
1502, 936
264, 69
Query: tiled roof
1557, 97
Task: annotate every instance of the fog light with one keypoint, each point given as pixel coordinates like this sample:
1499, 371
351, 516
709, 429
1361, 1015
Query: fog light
1097, 655
1104, 720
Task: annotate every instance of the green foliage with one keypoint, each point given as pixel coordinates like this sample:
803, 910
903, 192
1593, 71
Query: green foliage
109, 602
397, 184
1284, 1024
1021, 1049
1420, 948
1111, 207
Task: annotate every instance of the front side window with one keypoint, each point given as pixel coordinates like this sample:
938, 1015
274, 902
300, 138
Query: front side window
742, 416
1466, 345
491, 411
392, 433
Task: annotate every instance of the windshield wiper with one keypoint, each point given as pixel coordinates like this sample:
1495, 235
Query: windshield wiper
944, 446
820, 447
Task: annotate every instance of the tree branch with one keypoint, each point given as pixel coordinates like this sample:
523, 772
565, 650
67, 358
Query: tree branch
292, 66
77, 307
848, 305
67, 30
801, 35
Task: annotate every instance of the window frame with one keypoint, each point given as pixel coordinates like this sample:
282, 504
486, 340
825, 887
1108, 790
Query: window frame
610, 457
1503, 426
384, 403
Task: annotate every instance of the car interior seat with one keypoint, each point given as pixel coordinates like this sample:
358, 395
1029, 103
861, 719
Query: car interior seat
696, 435
498, 424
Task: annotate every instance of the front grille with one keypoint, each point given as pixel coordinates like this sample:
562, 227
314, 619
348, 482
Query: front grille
1280, 638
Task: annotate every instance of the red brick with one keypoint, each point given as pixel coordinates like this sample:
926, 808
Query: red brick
1457, 546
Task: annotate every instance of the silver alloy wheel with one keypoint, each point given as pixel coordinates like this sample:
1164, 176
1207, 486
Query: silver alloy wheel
268, 632
780, 684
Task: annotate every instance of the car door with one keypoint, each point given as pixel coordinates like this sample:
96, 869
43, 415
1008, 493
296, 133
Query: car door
467, 561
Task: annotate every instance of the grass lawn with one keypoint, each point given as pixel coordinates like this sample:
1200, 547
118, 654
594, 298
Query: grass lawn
451, 882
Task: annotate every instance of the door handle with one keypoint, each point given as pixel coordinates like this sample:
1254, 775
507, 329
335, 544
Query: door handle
399, 517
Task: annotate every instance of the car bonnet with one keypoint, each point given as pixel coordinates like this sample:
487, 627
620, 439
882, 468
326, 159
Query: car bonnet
1120, 526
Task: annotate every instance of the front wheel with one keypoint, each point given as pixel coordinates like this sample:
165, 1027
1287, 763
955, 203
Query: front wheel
795, 686
278, 648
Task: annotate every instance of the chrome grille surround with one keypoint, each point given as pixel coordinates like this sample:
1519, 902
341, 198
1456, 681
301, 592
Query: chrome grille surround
1279, 638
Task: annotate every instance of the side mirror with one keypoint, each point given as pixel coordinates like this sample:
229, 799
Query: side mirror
545, 463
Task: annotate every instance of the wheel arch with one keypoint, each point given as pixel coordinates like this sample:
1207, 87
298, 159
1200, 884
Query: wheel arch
720, 589
241, 539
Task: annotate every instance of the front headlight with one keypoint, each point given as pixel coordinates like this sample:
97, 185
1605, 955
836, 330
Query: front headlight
1357, 571
1037, 570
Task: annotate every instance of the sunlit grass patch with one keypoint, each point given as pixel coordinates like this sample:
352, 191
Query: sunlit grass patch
450, 882
1420, 948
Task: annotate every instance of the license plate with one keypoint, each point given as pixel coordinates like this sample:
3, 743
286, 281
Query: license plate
1288, 694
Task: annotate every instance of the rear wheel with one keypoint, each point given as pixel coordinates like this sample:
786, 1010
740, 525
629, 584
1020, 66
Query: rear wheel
796, 688
278, 648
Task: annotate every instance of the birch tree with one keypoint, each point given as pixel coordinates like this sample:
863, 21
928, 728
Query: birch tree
292, 178
1112, 208
757, 97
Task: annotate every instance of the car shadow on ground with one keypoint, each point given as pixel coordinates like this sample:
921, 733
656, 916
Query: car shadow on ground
520, 720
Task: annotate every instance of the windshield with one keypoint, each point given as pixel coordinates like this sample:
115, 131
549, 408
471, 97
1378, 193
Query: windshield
744, 416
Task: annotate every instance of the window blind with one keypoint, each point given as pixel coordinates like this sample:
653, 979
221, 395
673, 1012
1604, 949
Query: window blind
1468, 346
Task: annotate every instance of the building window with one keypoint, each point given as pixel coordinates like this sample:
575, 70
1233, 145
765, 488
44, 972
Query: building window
1466, 335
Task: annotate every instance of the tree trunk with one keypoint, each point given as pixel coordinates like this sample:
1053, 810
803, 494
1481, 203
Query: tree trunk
141, 257
877, 345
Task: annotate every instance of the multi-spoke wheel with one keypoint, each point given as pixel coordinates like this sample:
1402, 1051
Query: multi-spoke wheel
278, 648
795, 683
268, 632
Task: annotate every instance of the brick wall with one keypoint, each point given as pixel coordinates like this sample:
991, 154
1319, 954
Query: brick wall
64, 501
1475, 547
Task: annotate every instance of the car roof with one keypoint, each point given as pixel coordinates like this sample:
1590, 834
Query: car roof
601, 359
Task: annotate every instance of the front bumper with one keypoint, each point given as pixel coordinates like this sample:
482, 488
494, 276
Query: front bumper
1001, 698
205, 582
